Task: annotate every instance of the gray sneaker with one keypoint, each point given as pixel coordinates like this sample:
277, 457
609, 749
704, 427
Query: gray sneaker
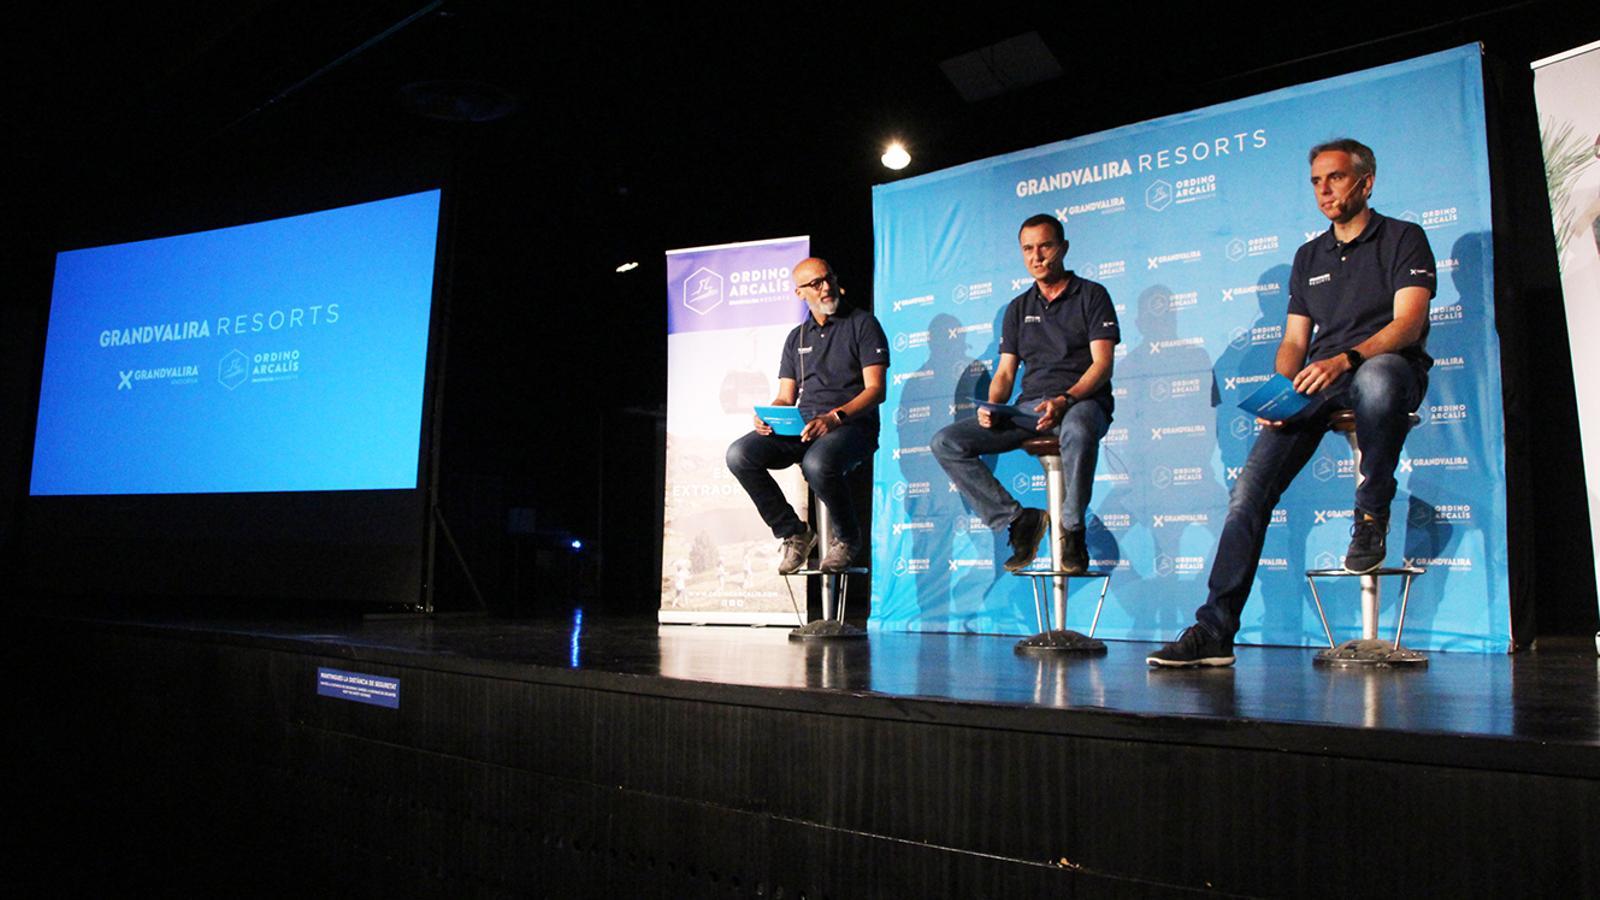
796, 548
839, 556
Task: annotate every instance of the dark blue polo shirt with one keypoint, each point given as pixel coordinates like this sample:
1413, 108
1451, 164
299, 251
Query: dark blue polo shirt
1348, 289
1052, 339
826, 360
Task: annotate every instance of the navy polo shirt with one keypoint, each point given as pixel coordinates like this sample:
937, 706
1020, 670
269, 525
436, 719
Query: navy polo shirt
1052, 339
826, 360
1348, 290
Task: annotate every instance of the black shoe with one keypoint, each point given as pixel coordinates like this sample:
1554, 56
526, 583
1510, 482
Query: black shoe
1368, 543
1027, 530
838, 557
796, 547
1195, 647
1075, 553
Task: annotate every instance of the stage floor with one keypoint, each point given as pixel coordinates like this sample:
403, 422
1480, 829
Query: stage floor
618, 757
1536, 711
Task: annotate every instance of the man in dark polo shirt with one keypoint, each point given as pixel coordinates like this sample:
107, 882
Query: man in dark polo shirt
1355, 338
1062, 332
833, 368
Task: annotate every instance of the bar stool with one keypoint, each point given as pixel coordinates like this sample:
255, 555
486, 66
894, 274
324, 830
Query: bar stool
835, 587
1367, 650
1053, 636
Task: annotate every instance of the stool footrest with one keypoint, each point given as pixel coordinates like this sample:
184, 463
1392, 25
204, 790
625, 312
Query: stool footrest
1060, 641
1345, 573
852, 570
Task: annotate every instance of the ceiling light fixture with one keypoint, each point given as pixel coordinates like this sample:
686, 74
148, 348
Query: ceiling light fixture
895, 156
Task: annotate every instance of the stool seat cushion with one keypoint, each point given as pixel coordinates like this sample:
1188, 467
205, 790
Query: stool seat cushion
1344, 421
1042, 446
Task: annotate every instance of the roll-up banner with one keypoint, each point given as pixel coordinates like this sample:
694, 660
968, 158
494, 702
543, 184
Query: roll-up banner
729, 307
1565, 87
1191, 222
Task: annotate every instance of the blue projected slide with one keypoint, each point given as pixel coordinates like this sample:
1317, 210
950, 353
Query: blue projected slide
286, 355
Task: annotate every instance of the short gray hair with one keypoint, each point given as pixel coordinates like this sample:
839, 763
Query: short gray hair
1360, 154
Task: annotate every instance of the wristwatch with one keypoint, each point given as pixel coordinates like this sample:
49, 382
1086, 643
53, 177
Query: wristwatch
840, 413
1354, 359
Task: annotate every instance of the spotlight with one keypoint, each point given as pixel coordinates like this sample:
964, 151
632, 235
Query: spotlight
627, 267
895, 156
576, 544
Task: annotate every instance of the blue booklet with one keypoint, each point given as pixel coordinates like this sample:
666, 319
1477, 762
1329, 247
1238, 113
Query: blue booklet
1276, 400
784, 420
1019, 416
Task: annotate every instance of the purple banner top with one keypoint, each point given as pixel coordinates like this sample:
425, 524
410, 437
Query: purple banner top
734, 285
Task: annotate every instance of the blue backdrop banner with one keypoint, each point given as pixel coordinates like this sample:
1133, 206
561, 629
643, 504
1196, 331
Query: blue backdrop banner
1191, 222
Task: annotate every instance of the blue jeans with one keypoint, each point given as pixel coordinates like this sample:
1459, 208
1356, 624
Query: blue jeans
1383, 393
958, 447
824, 462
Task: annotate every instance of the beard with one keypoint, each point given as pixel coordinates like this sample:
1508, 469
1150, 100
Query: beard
825, 307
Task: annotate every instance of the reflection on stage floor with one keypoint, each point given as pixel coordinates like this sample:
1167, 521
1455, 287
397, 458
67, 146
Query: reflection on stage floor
1545, 697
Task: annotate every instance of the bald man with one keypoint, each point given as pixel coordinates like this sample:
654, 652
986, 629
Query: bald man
832, 368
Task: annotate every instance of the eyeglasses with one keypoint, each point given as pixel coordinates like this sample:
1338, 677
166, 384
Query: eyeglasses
815, 283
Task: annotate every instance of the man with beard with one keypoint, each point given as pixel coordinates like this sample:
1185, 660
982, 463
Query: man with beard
832, 368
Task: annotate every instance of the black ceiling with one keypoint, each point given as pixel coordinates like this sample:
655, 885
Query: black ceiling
638, 128
681, 125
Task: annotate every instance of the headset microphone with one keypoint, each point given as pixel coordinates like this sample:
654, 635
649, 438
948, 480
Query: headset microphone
1343, 202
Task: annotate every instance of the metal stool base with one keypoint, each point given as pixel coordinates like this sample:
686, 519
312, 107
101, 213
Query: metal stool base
1367, 651
1370, 652
832, 625
826, 630
1050, 643
1042, 642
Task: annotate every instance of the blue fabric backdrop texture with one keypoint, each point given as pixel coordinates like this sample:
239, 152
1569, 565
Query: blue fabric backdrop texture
1191, 222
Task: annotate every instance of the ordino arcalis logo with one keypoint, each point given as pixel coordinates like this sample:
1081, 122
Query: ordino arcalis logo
702, 291
1158, 196
233, 369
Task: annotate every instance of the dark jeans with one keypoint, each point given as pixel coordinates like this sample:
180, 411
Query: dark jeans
1383, 393
958, 447
824, 462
